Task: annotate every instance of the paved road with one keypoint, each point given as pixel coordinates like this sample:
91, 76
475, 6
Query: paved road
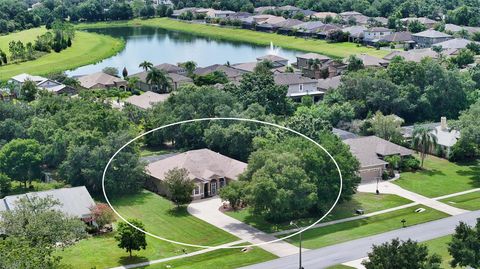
207, 210
356, 249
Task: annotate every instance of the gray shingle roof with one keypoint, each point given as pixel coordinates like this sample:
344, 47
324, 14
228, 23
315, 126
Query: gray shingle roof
313, 56
456, 43
147, 99
329, 83
292, 79
431, 34
398, 37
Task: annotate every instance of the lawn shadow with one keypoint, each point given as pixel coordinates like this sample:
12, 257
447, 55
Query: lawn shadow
473, 172
129, 199
130, 260
431, 172
180, 211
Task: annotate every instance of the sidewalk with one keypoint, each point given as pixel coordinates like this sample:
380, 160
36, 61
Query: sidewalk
207, 210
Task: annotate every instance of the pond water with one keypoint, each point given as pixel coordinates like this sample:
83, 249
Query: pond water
162, 46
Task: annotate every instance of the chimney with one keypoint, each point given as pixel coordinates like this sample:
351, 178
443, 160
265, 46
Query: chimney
443, 123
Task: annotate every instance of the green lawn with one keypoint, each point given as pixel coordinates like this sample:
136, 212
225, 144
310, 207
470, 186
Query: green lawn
440, 247
87, 48
219, 259
469, 201
367, 201
25, 36
441, 177
160, 218
150, 151
338, 50
340, 266
346, 231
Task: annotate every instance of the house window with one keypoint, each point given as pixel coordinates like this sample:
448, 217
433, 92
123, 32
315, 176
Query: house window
214, 188
222, 182
300, 87
196, 190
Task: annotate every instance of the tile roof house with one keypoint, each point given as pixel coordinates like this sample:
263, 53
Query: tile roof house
304, 63
287, 25
209, 170
101, 80
298, 85
342, 134
75, 202
233, 74
171, 68
245, 67
147, 99
430, 37
309, 28
370, 152
42, 83
260, 10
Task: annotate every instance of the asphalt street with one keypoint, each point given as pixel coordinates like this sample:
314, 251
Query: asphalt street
357, 249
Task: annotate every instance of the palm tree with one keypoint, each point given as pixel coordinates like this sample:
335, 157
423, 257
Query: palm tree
160, 79
423, 140
190, 67
146, 65
132, 83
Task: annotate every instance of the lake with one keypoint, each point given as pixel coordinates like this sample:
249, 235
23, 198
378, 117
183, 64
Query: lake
162, 46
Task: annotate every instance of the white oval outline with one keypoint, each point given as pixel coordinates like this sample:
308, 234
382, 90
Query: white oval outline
228, 119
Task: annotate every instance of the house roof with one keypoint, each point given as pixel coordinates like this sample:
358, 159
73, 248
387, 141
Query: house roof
369, 60
288, 23
74, 201
404, 36
292, 79
229, 71
381, 20
310, 26
431, 34
323, 15
342, 134
263, 9
147, 99
24, 77
170, 68
417, 55
378, 29
369, 149
329, 83
355, 31
456, 43
313, 56
288, 8
41, 82
101, 78
247, 67
422, 20
200, 164
350, 13
272, 58
445, 137
176, 78
457, 28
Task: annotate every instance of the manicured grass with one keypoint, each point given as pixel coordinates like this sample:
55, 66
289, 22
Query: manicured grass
469, 201
161, 218
87, 48
150, 151
342, 232
337, 50
367, 201
219, 259
440, 247
441, 177
25, 36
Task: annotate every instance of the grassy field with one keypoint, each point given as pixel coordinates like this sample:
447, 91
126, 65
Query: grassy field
469, 201
219, 259
25, 36
367, 201
161, 218
87, 48
337, 50
441, 177
342, 232
440, 247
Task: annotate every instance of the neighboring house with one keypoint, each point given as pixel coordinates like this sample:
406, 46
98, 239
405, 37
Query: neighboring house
286, 26
276, 60
233, 74
342, 134
375, 33
147, 99
310, 28
298, 86
42, 83
209, 170
456, 43
327, 84
240, 15
357, 17
323, 31
261, 10
304, 63
324, 15
453, 28
245, 67
371, 151
171, 68
101, 80
405, 38
430, 37
355, 33
176, 80
75, 202
380, 20
429, 23
289, 8
417, 55
213, 13
178, 12
370, 61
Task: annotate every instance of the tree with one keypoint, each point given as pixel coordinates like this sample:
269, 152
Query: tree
125, 73
113, 71
468, 146
234, 193
401, 254
18, 253
180, 186
159, 79
5, 184
21, 159
387, 127
463, 58
130, 238
146, 65
416, 26
102, 214
424, 140
28, 91
354, 63
37, 220
190, 67
465, 246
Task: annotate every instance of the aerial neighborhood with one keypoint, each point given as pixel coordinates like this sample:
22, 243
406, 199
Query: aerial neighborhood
239, 134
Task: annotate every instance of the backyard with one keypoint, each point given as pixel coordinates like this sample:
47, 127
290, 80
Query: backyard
367, 201
441, 177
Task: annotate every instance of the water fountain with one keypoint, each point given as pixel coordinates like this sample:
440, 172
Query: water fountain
273, 50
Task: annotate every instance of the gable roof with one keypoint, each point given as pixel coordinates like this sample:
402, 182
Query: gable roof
355, 31
170, 68
313, 56
404, 36
74, 201
417, 55
456, 43
378, 29
422, 20
147, 99
229, 71
292, 79
176, 78
21, 78
101, 78
431, 34
323, 15
369, 149
247, 67
369, 60
200, 164
288, 23
329, 83
309, 26
272, 58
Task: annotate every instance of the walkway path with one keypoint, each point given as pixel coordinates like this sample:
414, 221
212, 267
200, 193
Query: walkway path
207, 210
205, 250
388, 187
456, 194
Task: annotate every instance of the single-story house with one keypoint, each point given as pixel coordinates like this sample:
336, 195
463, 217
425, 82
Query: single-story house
453, 28
75, 202
355, 33
286, 26
101, 80
42, 83
370, 151
171, 68
234, 75
430, 37
403, 37
276, 60
429, 23
323, 31
456, 43
245, 67
298, 86
358, 17
209, 170
176, 80
375, 33
239, 15
147, 99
